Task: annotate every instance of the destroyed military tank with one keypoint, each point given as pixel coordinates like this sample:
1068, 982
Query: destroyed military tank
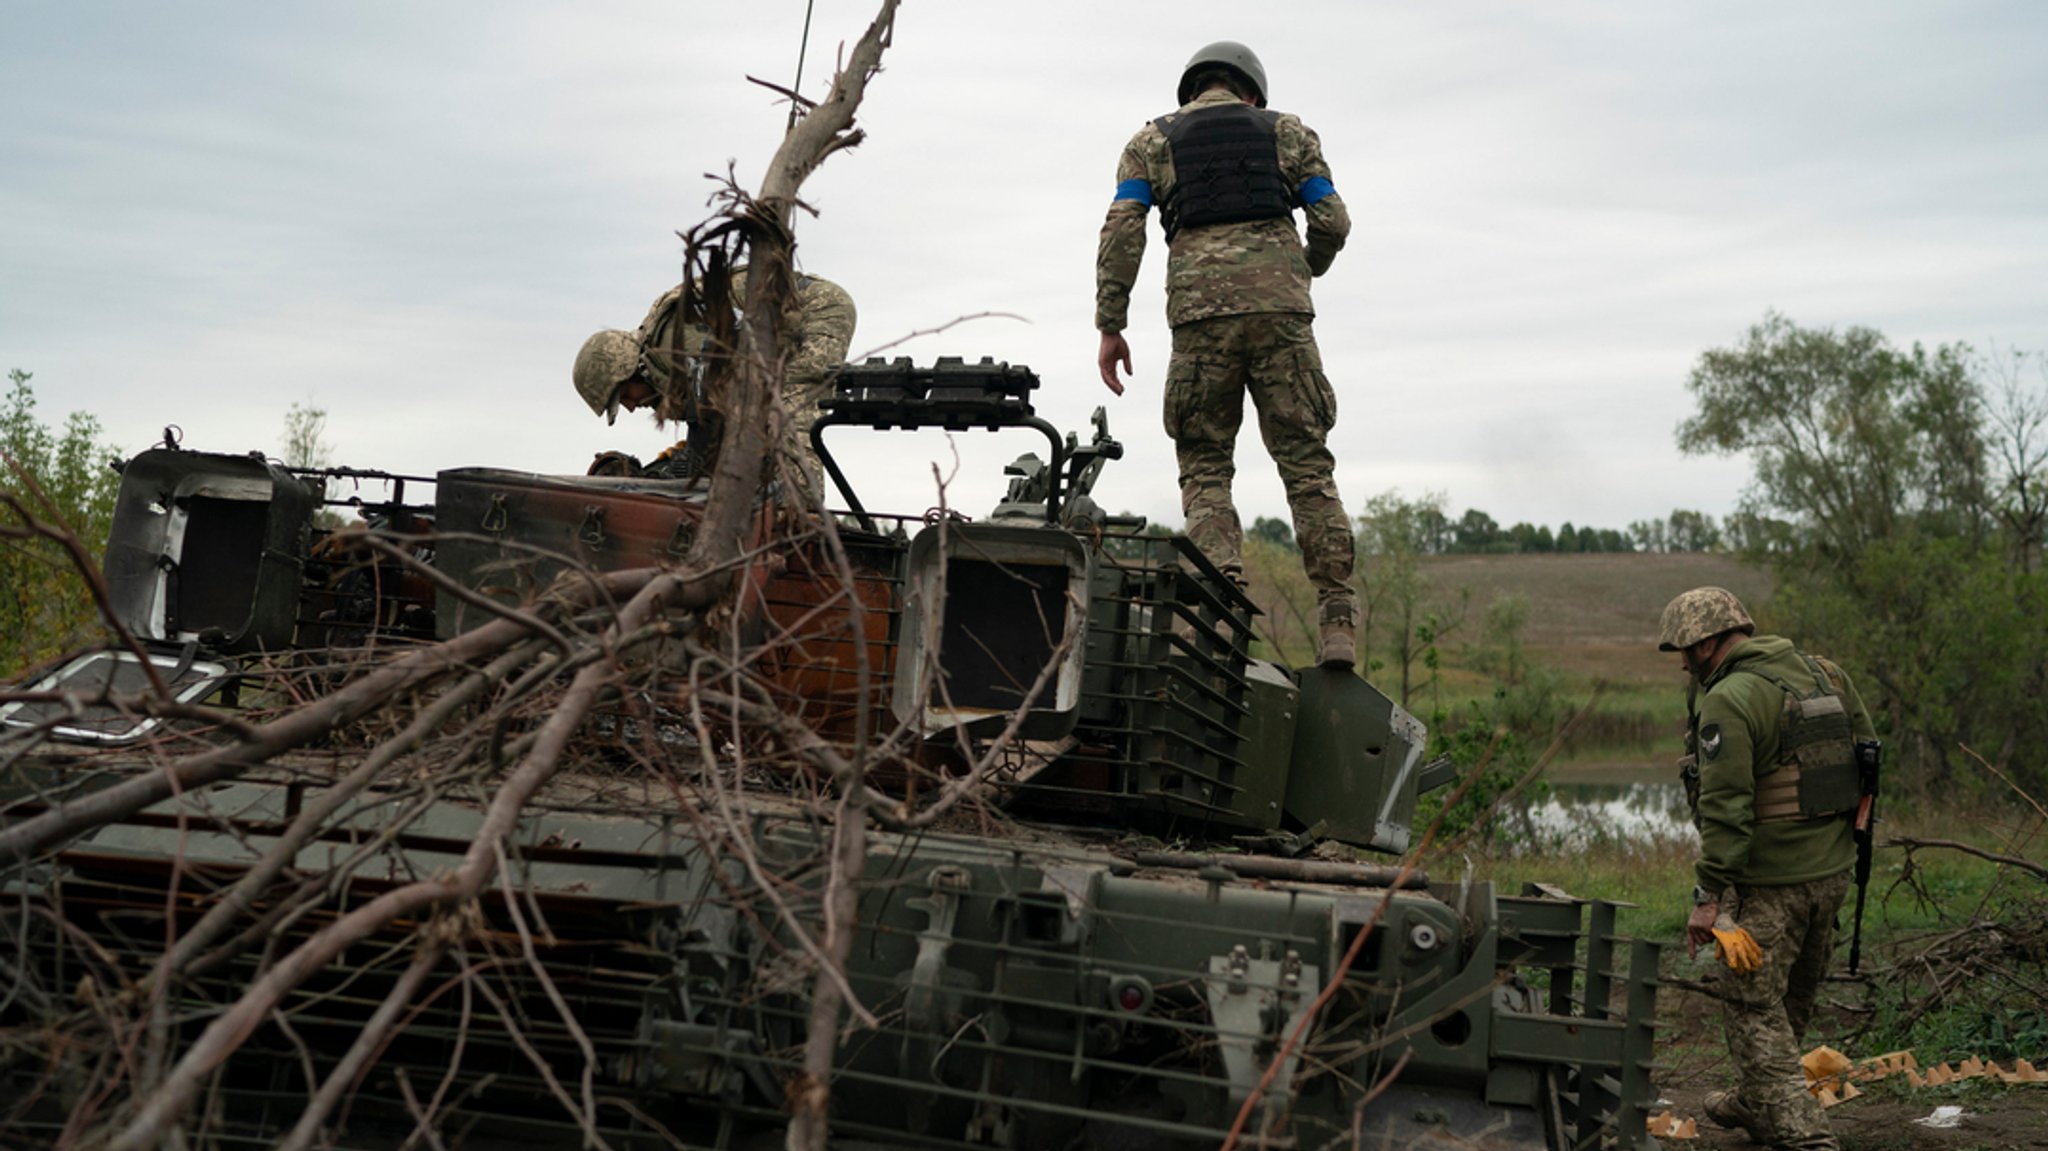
1030, 972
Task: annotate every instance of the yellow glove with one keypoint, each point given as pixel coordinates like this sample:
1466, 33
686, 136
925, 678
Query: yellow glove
1739, 948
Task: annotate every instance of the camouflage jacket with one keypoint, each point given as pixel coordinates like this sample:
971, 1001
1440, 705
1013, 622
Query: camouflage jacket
1738, 716
1222, 269
819, 333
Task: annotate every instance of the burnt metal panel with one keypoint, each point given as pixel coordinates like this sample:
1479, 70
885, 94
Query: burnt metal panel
208, 547
509, 534
988, 605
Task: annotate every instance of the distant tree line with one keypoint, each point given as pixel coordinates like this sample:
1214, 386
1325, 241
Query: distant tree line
1405, 616
1423, 527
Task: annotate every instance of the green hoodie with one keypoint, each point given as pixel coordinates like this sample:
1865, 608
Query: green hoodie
1738, 715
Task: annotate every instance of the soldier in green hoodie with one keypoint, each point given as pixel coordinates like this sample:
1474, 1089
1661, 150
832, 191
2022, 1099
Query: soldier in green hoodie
1771, 774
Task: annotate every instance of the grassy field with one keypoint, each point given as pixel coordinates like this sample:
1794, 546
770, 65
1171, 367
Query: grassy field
1592, 623
1594, 616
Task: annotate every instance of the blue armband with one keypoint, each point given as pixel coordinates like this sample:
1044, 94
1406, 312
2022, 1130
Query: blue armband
1315, 188
1141, 191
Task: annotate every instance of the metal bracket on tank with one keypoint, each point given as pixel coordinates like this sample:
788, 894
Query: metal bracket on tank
931, 997
592, 530
1256, 1004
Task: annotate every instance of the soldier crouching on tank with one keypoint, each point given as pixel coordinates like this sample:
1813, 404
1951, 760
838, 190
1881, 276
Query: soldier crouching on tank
1771, 774
646, 368
1227, 175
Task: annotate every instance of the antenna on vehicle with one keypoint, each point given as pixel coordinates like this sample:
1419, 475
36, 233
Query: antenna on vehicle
802, 44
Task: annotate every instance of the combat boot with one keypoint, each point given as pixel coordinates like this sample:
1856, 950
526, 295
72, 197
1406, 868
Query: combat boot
1338, 644
1726, 1109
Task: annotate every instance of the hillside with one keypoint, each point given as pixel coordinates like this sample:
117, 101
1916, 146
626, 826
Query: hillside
1595, 615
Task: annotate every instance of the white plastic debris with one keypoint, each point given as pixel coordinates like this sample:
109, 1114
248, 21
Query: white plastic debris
1946, 1116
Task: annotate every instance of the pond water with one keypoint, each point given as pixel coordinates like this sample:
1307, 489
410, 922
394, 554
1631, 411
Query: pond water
1635, 803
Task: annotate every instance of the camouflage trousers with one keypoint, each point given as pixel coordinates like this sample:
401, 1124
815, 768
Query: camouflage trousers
802, 472
819, 342
1272, 356
1767, 1010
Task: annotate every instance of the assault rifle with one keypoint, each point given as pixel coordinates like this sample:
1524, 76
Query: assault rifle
1869, 755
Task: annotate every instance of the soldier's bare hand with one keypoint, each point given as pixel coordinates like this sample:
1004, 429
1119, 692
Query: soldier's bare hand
1114, 351
1699, 927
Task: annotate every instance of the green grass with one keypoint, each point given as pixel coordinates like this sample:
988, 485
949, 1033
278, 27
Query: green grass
1657, 879
1963, 933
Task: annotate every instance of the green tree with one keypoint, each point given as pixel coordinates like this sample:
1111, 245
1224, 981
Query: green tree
1401, 615
1567, 537
1287, 601
306, 448
1434, 532
1692, 531
2018, 439
1891, 497
1502, 653
1124, 548
1495, 744
305, 437
1274, 531
1853, 439
1476, 531
1648, 535
59, 479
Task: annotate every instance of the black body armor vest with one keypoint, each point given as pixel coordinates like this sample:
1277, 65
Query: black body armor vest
1226, 168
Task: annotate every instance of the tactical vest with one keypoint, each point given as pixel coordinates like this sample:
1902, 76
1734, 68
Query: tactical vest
1815, 776
1816, 773
1226, 168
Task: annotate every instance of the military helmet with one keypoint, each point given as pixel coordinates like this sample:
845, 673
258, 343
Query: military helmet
1226, 54
1700, 614
608, 360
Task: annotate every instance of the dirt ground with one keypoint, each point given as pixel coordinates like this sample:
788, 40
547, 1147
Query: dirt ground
1693, 1062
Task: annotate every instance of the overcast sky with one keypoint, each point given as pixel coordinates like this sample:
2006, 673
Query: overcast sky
411, 215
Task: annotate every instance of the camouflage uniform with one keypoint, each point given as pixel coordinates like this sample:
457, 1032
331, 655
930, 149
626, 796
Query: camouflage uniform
1783, 878
1766, 1011
1237, 298
818, 335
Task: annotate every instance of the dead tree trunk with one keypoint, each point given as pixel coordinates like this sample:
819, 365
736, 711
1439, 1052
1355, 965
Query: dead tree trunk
770, 281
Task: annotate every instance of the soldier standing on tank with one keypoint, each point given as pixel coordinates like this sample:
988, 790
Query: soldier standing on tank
1771, 775
648, 368
1227, 175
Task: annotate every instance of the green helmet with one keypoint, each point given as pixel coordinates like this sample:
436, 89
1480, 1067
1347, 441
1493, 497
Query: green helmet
608, 360
1227, 54
1699, 614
